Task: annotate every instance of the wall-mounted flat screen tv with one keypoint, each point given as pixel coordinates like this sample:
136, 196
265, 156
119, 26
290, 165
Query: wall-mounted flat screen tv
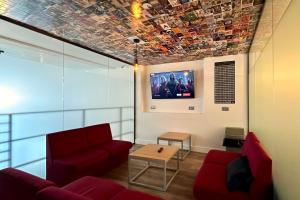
172, 85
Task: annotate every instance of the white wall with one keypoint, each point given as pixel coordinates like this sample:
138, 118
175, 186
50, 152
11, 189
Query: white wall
207, 122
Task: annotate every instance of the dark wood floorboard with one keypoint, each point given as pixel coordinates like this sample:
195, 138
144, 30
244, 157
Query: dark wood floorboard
180, 189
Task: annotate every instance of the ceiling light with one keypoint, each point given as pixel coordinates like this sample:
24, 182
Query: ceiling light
3, 6
136, 9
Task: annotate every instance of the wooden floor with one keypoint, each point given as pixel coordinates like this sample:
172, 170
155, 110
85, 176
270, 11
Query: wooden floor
180, 189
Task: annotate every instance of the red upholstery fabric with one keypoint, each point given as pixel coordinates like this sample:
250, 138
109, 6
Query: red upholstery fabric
134, 195
94, 188
261, 168
117, 147
60, 172
55, 193
87, 160
210, 184
98, 134
220, 157
248, 142
92, 162
252, 136
16, 185
85, 151
64, 143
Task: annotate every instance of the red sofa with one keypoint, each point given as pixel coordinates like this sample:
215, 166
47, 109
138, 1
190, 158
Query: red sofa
16, 185
210, 182
91, 150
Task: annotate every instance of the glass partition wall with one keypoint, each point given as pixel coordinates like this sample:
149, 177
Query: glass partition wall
44, 90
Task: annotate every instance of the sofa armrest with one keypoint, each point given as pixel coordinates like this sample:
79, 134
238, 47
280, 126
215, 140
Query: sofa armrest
55, 193
16, 184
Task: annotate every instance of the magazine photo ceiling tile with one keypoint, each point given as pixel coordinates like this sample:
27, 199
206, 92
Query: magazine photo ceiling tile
170, 30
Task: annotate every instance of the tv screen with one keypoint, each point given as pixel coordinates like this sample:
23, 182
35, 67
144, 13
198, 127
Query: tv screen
172, 85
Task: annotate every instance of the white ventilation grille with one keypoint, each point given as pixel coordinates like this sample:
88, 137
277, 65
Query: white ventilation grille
225, 82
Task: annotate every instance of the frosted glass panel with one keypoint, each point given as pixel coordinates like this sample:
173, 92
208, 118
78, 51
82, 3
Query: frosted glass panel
73, 119
38, 168
4, 147
128, 137
25, 151
31, 92
4, 127
4, 137
27, 125
102, 116
4, 165
115, 129
4, 156
127, 126
31, 79
44, 91
121, 83
4, 118
85, 84
127, 113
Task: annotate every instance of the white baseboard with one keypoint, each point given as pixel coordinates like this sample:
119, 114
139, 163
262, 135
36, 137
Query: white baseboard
195, 148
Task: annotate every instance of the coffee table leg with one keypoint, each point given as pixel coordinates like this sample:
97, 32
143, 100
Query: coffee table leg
129, 174
182, 151
190, 143
157, 140
165, 176
178, 160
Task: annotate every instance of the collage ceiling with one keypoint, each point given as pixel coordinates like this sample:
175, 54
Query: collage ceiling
170, 30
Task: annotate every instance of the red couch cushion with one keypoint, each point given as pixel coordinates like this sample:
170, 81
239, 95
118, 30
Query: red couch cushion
64, 143
117, 147
134, 195
16, 184
86, 159
98, 134
55, 193
94, 188
220, 157
211, 184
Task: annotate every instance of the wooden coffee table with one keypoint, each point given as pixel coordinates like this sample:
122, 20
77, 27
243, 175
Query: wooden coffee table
149, 154
177, 137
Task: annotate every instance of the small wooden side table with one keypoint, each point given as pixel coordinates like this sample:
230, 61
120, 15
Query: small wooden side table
177, 137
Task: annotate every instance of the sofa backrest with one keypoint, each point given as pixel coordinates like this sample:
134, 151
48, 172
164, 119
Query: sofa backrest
98, 134
261, 168
65, 143
251, 137
16, 184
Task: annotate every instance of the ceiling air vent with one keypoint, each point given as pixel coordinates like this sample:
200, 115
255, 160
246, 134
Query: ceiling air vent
225, 82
